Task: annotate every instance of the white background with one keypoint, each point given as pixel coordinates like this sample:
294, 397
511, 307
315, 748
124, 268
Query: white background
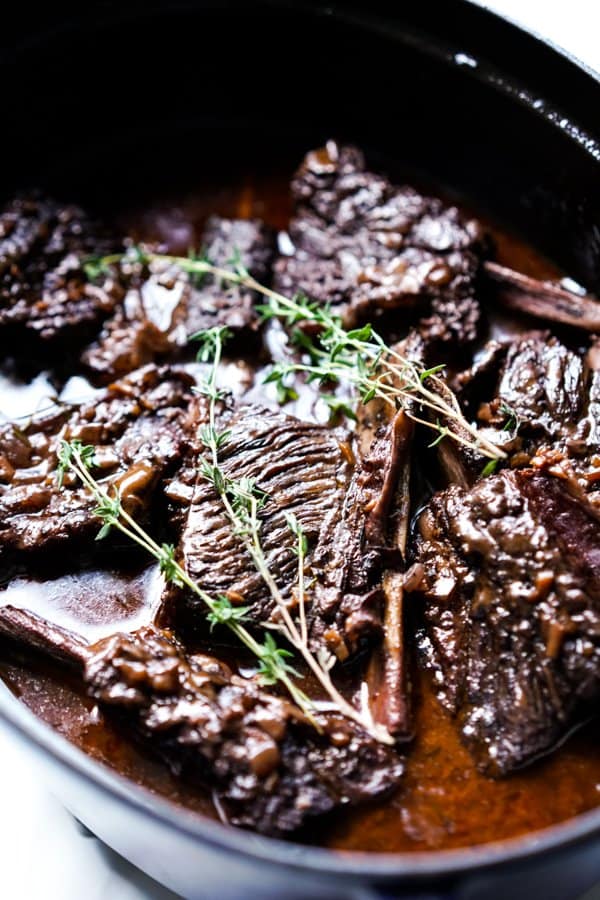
42, 852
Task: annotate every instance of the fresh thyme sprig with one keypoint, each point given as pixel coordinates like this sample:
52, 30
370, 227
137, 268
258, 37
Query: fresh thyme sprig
357, 356
272, 661
65, 453
360, 357
243, 500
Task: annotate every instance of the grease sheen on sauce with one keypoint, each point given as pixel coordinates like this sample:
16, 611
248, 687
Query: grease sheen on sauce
443, 802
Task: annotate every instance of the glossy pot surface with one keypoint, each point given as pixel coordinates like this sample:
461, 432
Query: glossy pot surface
114, 99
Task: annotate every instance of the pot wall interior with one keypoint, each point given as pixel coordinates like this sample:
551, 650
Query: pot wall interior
132, 98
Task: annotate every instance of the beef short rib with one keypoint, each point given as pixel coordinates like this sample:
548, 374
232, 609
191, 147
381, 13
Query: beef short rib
164, 306
137, 427
270, 769
511, 582
267, 766
44, 294
365, 247
341, 502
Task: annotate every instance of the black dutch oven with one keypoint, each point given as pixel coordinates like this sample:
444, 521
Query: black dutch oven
111, 99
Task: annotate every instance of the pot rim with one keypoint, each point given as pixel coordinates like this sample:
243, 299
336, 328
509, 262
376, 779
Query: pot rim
414, 865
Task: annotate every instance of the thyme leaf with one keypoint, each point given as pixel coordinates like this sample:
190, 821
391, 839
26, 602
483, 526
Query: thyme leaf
338, 407
198, 279
513, 420
443, 432
65, 453
209, 341
489, 468
272, 660
273, 663
168, 565
223, 612
434, 370
296, 528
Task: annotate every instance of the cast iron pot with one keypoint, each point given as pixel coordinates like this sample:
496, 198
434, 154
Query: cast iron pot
116, 99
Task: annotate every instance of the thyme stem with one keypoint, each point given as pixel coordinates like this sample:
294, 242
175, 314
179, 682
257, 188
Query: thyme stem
111, 511
301, 548
359, 356
242, 501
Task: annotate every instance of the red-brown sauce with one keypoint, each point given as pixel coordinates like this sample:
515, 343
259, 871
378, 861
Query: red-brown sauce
443, 802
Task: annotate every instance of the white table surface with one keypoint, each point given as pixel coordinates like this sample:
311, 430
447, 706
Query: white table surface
33, 825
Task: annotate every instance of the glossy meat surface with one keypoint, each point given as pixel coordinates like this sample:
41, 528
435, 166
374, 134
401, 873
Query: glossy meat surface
164, 306
44, 294
270, 769
511, 590
340, 500
545, 406
138, 429
367, 247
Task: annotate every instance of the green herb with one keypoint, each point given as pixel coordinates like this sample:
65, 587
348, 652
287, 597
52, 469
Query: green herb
224, 611
65, 451
94, 267
198, 279
358, 357
168, 565
512, 425
443, 432
301, 550
513, 421
338, 407
273, 660
210, 342
235, 261
78, 460
243, 501
435, 370
489, 468
109, 510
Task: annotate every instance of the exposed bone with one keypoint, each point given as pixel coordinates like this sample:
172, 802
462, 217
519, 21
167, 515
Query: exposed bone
270, 769
33, 631
387, 673
387, 679
544, 299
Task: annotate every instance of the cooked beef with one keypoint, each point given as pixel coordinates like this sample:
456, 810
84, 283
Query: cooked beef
138, 429
366, 247
511, 581
164, 306
253, 243
44, 294
543, 383
304, 469
267, 766
311, 471
544, 410
270, 769
144, 329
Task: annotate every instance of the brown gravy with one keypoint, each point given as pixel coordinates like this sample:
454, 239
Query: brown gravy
443, 801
